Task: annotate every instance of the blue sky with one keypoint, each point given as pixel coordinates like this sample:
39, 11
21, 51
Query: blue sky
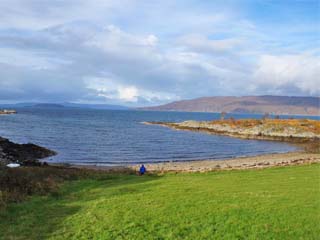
138, 53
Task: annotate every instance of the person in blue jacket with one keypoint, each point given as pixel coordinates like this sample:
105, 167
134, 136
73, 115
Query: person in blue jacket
142, 170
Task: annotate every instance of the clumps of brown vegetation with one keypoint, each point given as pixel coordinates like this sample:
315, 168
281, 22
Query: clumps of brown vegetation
18, 183
312, 147
304, 125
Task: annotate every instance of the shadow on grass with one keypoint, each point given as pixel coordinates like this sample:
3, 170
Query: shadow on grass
35, 219
106, 188
41, 216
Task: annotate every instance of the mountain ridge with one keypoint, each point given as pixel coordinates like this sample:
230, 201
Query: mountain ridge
64, 104
291, 105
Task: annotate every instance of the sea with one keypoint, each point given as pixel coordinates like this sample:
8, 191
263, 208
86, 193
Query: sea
118, 137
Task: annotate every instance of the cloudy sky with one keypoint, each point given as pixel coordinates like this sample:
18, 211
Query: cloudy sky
139, 53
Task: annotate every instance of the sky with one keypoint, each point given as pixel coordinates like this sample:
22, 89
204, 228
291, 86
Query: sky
147, 52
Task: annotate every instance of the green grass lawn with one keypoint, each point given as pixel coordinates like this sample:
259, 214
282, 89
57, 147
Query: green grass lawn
275, 203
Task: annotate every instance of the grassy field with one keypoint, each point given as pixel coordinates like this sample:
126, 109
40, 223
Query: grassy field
275, 203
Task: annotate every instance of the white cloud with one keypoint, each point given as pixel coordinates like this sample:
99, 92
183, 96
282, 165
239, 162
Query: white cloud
201, 43
112, 90
113, 40
39, 14
143, 52
277, 73
128, 94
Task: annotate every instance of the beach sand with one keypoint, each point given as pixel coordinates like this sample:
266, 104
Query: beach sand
256, 162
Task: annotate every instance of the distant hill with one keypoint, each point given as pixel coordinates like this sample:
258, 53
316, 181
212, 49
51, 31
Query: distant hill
61, 105
47, 105
32, 104
248, 104
96, 106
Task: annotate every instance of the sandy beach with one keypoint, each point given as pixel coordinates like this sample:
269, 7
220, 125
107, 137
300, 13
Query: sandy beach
300, 132
256, 162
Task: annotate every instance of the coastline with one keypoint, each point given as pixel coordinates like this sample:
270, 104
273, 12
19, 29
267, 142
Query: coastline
7, 112
22, 154
255, 162
284, 130
303, 133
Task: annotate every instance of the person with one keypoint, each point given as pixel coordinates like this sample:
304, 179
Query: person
142, 170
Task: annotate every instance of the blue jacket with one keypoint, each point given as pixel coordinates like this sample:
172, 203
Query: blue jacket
142, 169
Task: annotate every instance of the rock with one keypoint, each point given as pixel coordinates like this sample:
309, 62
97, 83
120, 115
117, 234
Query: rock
24, 154
6, 111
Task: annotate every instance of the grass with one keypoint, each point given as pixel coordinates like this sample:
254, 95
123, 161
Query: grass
274, 203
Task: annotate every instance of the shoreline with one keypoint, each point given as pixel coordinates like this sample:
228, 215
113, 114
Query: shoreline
302, 133
7, 112
229, 128
255, 162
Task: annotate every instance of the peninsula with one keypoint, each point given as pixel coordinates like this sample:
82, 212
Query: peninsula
290, 130
304, 133
6, 111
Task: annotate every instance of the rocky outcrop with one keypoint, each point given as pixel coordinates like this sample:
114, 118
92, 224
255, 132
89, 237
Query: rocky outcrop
6, 111
25, 154
283, 130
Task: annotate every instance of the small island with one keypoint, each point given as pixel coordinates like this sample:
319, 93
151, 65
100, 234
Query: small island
7, 111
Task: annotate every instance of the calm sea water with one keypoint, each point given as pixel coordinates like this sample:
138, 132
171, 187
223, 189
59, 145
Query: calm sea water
87, 136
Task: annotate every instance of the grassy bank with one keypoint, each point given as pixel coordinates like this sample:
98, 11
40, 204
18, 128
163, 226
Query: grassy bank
19, 183
275, 203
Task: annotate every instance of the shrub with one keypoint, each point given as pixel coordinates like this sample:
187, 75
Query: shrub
17, 183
